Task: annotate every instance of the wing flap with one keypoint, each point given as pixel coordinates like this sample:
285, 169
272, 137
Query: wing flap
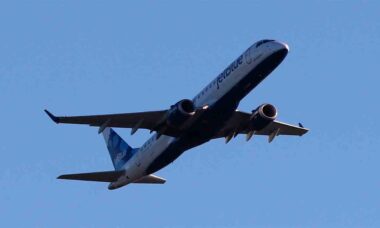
106, 176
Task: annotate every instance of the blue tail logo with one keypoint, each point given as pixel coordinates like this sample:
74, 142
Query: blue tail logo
120, 151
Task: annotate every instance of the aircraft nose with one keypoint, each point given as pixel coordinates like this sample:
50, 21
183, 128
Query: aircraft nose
286, 46
279, 51
281, 46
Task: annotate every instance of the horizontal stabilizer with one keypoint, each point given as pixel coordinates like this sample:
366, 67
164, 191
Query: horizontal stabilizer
111, 176
107, 176
150, 179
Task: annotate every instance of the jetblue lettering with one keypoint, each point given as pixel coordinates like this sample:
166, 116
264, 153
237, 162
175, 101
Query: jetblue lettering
228, 70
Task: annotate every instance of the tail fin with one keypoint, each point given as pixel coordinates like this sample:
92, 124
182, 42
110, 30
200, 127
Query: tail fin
119, 150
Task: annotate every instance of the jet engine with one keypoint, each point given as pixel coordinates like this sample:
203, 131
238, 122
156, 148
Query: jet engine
262, 116
180, 112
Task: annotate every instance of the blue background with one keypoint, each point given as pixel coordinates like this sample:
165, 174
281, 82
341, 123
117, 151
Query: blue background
91, 57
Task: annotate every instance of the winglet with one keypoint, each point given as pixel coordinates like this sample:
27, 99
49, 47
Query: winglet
52, 117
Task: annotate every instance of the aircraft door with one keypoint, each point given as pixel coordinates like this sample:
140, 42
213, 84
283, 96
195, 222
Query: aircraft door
138, 158
247, 56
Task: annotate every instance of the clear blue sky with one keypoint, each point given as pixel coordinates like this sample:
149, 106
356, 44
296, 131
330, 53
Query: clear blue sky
93, 58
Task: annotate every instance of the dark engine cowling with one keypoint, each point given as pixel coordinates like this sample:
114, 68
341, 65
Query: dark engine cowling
180, 112
262, 116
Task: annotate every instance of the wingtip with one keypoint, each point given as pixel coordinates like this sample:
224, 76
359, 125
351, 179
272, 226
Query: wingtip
305, 129
52, 117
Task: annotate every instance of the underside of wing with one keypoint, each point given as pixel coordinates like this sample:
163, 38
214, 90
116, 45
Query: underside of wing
145, 120
239, 123
107, 176
283, 129
159, 121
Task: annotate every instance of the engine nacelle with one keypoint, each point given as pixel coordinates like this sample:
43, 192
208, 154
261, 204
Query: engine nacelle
262, 116
180, 112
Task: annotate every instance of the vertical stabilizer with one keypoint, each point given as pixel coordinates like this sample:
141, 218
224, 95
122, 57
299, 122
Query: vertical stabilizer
120, 151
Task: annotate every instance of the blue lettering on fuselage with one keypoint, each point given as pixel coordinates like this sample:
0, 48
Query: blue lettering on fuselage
229, 70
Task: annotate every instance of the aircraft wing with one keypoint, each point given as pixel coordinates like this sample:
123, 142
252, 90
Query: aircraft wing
146, 120
284, 129
239, 124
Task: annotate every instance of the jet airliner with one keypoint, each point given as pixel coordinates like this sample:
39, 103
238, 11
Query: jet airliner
211, 114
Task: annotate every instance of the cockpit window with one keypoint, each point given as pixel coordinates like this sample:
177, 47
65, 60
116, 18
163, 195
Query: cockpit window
262, 42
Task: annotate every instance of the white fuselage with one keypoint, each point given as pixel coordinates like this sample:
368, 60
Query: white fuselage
136, 167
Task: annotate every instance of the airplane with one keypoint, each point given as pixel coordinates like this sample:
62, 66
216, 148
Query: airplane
211, 114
